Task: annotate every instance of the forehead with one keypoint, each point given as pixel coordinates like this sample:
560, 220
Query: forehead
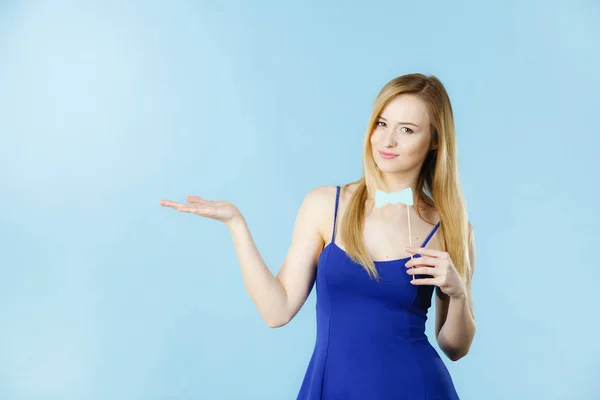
406, 107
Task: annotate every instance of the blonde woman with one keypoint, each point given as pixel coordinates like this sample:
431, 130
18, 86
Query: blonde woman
378, 249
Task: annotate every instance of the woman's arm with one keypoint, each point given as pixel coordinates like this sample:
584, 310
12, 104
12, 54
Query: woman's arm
278, 299
455, 318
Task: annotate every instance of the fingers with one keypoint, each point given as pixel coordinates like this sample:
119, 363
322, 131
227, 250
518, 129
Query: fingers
177, 206
431, 261
219, 210
195, 199
169, 203
189, 199
427, 252
422, 271
425, 281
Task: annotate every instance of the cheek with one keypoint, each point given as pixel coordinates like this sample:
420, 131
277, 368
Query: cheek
373, 137
408, 152
377, 137
416, 147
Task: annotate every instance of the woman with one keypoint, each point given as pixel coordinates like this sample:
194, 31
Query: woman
374, 283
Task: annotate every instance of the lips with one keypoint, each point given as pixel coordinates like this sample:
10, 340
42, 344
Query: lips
387, 155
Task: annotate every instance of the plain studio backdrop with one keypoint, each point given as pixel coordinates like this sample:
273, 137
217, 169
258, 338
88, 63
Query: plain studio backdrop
108, 107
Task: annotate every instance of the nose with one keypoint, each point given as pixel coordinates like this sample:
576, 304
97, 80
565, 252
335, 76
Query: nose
389, 140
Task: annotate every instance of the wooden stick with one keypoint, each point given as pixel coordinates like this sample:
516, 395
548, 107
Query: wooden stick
409, 234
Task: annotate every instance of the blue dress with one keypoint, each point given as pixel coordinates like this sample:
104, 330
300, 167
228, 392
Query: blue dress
371, 342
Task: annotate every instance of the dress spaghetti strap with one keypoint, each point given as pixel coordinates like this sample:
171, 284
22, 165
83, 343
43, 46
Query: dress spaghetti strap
337, 199
431, 234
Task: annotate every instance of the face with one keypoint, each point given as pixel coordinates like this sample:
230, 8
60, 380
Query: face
402, 130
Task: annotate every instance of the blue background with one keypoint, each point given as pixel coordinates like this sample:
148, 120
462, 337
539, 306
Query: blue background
108, 107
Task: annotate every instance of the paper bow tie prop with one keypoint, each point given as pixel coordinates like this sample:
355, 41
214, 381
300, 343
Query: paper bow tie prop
405, 197
382, 198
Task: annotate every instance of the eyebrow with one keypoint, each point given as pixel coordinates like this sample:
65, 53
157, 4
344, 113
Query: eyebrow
404, 123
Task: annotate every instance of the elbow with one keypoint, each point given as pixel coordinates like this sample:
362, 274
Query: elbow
457, 354
456, 350
277, 323
272, 324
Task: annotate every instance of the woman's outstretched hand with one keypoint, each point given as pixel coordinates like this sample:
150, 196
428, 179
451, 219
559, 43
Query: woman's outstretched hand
219, 210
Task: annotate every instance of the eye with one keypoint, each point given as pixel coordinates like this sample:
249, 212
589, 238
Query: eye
411, 131
380, 122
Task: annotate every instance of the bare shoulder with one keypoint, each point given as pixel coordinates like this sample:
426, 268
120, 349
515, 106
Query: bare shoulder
322, 193
321, 202
321, 197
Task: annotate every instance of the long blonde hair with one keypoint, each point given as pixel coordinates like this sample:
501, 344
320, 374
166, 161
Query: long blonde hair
438, 175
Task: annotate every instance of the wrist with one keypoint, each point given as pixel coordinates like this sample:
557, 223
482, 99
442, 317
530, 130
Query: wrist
236, 222
461, 295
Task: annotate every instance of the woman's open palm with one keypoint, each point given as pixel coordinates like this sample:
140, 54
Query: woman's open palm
220, 210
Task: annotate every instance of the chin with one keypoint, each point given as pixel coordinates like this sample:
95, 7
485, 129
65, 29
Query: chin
389, 169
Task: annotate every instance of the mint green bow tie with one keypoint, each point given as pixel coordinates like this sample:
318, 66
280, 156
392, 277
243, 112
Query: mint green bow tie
382, 198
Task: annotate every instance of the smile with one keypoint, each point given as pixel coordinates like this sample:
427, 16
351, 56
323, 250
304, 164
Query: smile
387, 156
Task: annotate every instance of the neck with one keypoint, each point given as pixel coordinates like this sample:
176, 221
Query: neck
398, 183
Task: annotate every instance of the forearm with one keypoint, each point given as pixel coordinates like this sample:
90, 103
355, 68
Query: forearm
264, 289
457, 333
